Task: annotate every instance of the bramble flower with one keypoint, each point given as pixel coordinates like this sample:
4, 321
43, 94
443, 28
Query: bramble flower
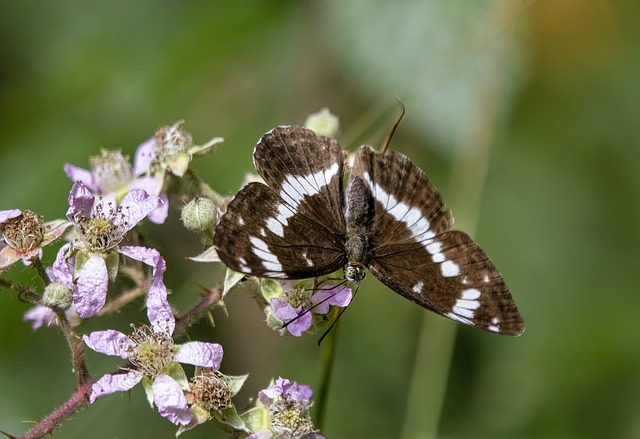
298, 308
24, 234
101, 229
170, 150
287, 405
210, 398
113, 177
154, 361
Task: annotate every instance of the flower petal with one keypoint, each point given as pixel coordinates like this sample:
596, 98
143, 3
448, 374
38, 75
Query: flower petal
158, 309
147, 184
200, 354
8, 257
80, 201
8, 214
80, 174
330, 295
91, 292
109, 342
297, 320
136, 205
60, 271
170, 399
109, 384
160, 213
144, 157
39, 315
53, 230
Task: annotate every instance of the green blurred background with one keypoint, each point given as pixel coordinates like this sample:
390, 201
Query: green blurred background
525, 114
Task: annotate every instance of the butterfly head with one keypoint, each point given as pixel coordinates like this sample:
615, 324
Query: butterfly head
354, 272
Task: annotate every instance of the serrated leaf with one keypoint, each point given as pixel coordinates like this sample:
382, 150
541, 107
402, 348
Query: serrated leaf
112, 261
231, 418
209, 255
257, 418
82, 257
147, 383
231, 278
176, 372
235, 383
271, 289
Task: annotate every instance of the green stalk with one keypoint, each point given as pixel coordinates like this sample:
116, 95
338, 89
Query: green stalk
436, 339
328, 355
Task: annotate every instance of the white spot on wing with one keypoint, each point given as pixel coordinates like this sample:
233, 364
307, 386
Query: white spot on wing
308, 261
409, 215
460, 319
449, 269
417, 288
471, 294
261, 250
295, 188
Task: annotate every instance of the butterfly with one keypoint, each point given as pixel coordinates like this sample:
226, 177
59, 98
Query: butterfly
306, 222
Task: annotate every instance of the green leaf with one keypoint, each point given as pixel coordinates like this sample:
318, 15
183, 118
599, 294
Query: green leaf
257, 418
231, 278
231, 418
82, 257
176, 372
271, 289
112, 260
235, 383
147, 383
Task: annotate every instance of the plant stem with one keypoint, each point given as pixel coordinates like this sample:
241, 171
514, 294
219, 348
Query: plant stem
328, 356
37, 264
436, 340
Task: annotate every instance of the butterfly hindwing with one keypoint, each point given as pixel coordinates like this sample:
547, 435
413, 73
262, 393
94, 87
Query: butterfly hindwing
453, 277
412, 250
286, 229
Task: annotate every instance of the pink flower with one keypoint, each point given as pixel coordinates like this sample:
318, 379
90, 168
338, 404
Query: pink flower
24, 234
297, 314
155, 360
112, 177
101, 228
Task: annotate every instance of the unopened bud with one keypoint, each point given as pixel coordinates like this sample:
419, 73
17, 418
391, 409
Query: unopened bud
199, 214
57, 296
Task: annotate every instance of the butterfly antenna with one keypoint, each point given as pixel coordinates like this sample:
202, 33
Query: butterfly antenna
387, 140
338, 317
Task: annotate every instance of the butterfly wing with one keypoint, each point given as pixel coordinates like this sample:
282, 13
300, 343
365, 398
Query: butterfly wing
292, 227
413, 251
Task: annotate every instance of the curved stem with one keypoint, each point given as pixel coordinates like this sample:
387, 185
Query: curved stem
37, 264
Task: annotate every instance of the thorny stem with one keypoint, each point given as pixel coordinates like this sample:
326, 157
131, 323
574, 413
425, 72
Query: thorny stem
209, 299
37, 264
79, 398
74, 404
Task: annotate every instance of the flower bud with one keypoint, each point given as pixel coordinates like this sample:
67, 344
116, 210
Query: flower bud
57, 296
323, 123
199, 214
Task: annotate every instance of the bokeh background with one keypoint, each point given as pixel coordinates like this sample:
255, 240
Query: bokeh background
525, 114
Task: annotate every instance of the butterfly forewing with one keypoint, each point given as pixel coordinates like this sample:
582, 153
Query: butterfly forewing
412, 250
287, 229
